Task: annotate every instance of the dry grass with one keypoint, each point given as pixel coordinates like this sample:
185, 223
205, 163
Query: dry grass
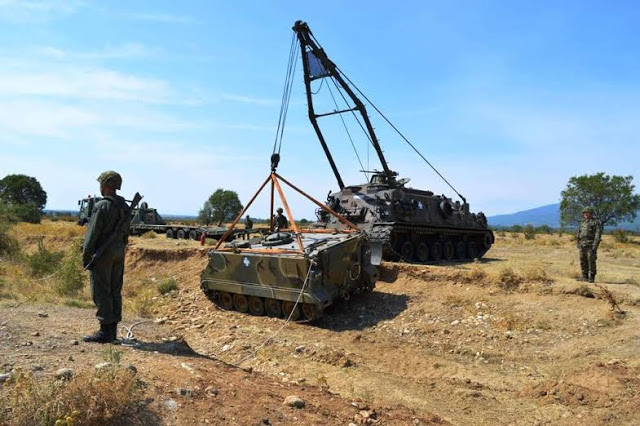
90, 397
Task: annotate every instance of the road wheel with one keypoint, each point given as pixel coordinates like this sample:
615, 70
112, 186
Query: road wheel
436, 251
461, 250
288, 309
226, 300
181, 234
241, 303
310, 311
423, 252
256, 305
273, 308
472, 250
170, 233
448, 250
406, 251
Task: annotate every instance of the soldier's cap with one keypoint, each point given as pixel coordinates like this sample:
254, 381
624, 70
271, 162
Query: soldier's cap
110, 177
279, 210
587, 210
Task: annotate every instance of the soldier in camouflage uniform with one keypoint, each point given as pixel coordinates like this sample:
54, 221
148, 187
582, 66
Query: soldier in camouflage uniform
589, 234
107, 270
280, 221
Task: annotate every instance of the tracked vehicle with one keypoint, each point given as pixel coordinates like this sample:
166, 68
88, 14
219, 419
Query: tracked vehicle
413, 225
291, 273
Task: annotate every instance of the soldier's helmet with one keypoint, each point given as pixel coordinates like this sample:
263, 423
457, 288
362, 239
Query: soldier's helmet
279, 210
110, 177
587, 210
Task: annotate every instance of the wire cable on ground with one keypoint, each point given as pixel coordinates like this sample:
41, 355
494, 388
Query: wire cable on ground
273, 336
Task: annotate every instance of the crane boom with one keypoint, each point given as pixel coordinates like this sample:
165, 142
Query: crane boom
317, 65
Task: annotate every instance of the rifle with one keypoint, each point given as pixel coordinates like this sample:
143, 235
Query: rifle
116, 231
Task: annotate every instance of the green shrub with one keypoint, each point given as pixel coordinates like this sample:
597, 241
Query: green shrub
620, 235
44, 262
529, 232
71, 278
9, 247
149, 235
544, 229
516, 228
168, 285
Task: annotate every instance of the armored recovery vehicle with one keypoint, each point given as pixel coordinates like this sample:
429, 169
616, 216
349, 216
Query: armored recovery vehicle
413, 225
293, 272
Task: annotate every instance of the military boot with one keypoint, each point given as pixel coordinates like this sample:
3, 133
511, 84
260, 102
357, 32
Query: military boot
592, 278
101, 336
583, 277
114, 332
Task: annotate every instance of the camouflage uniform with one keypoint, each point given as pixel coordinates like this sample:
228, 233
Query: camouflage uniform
280, 221
589, 234
107, 270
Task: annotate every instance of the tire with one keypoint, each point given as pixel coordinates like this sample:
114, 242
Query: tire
472, 250
225, 300
448, 250
256, 305
273, 308
241, 303
436, 251
310, 311
406, 251
181, 234
422, 253
170, 233
193, 235
289, 310
487, 241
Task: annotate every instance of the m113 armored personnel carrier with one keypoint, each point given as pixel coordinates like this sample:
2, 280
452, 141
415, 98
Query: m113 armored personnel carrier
293, 272
414, 225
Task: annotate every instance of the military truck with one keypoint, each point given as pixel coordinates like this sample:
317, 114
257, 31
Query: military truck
414, 225
146, 219
86, 208
273, 276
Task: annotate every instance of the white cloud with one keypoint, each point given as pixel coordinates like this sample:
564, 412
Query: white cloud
25, 11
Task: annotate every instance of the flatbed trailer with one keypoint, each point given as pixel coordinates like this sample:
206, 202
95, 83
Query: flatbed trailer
184, 232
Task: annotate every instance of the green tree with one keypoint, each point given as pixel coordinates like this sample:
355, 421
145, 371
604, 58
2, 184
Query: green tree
612, 198
205, 215
223, 205
529, 231
23, 196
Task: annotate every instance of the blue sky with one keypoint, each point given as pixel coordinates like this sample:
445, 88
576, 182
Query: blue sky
507, 99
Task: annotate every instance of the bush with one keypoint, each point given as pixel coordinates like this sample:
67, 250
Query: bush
9, 247
509, 279
44, 262
544, 229
168, 285
620, 235
149, 235
516, 228
26, 213
529, 232
71, 278
87, 398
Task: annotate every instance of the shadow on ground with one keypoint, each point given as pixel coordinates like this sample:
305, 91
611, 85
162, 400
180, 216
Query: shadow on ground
362, 311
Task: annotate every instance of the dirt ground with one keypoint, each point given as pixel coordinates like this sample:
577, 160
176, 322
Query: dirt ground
513, 339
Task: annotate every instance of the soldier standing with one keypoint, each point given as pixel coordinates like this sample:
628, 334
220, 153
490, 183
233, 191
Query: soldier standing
106, 271
280, 221
248, 223
589, 234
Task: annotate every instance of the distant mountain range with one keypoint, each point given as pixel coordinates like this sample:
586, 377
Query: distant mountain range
544, 215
